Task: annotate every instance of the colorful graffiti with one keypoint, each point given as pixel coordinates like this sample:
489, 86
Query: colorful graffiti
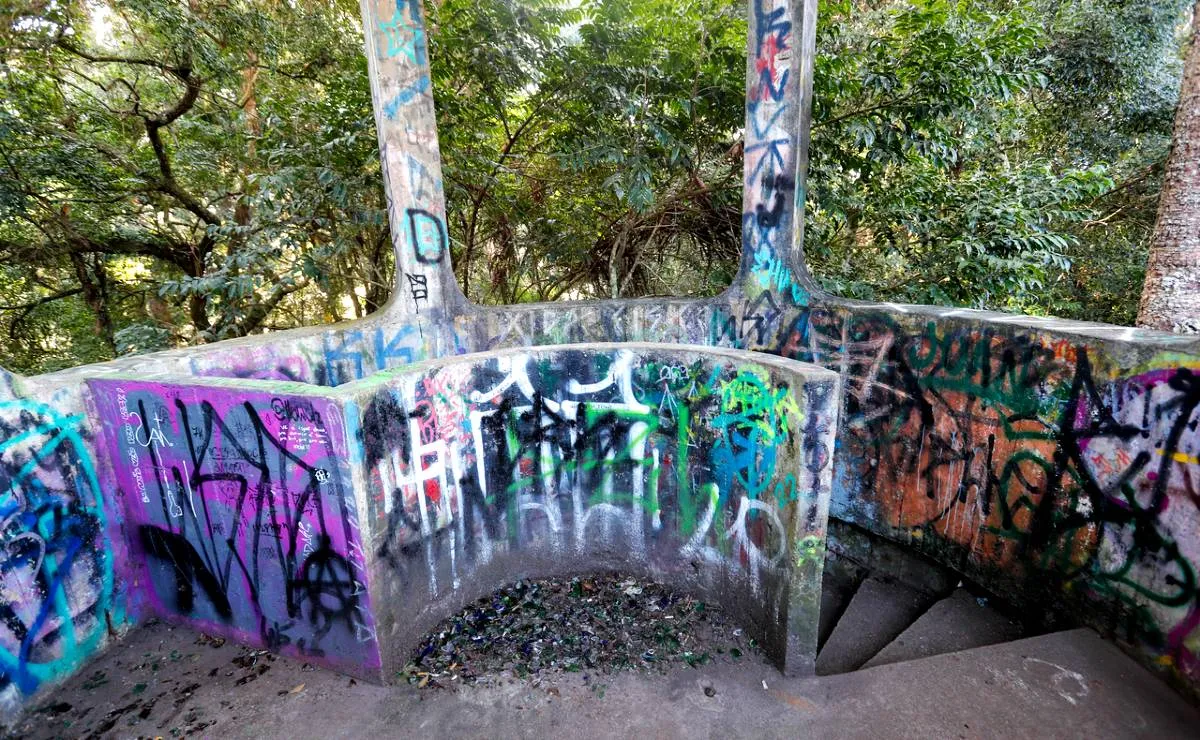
263, 363
1055, 461
356, 353
57, 586
1056, 466
1145, 461
239, 510
774, 99
655, 458
1033, 462
1048, 464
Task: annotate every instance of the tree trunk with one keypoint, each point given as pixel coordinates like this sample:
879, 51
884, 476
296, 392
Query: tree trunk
95, 292
1171, 295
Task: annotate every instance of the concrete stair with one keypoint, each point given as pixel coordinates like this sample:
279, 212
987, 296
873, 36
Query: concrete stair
879, 612
839, 582
960, 621
891, 611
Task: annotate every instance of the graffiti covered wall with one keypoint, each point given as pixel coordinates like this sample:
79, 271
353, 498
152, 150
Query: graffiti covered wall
703, 469
240, 514
1055, 466
59, 596
339, 524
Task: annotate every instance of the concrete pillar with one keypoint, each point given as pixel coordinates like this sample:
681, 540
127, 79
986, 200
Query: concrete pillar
402, 92
779, 70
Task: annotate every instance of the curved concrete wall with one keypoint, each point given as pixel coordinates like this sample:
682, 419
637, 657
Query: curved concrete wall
705, 469
340, 524
1054, 461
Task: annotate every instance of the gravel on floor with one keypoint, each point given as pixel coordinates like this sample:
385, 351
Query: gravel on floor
597, 624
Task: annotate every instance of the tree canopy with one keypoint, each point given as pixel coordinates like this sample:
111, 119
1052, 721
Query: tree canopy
187, 172
176, 171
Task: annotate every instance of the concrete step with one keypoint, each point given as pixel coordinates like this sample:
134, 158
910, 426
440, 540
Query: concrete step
878, 613
958, 622
838, 584
884, 558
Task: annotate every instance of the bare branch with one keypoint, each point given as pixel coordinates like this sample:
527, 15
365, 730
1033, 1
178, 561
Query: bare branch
41, 301
177, 71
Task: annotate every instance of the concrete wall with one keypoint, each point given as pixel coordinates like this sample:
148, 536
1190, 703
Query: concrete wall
338, 525
60, 592
706, 470
1054, 461
238, 506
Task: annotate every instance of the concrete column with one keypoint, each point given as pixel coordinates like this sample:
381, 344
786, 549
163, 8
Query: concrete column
402, 92
779, 71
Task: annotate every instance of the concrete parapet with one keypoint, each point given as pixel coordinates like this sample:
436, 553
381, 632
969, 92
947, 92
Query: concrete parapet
339, 524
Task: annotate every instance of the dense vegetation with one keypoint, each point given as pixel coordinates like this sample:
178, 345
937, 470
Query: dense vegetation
177, 171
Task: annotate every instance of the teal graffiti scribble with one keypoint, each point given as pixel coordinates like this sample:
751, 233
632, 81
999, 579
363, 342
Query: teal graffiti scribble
50, 533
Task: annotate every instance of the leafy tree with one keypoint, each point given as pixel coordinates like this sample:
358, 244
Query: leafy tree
189, 171
177, 171
924, 187
992, 154
590, 148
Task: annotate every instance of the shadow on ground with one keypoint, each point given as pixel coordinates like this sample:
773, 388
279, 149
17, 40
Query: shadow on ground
557, 658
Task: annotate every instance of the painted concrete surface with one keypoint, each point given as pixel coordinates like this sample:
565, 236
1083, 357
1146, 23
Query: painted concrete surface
337, 525
60, 593
240, 514
165, 682
876, 615
707, 470
1053, 461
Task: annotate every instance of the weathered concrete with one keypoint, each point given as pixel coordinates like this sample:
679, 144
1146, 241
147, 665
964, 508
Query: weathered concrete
706, 470
851, 546
838, 584
164, 681
878, 613
1052, 461
957, 622
340, 524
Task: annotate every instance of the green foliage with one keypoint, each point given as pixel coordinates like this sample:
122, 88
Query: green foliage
589, 147
187, 171
918, 191
980, 154
51, 335
177, 172
994, 155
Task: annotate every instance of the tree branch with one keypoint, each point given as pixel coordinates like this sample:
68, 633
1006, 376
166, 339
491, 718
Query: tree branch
863, 111
66, 45
34, 304
256, 315
168, 184
155, 122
